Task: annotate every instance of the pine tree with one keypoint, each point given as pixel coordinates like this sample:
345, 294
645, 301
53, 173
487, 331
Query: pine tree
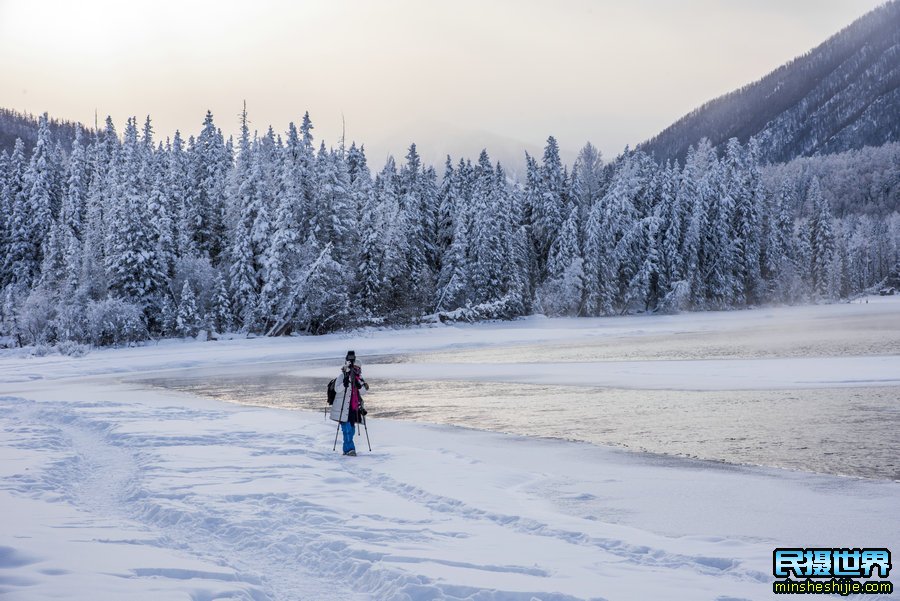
821, 239
187, 321
448, 200
167, 316
721, 242
132, 264
587, 180
281, 254
486, 242
5, 212
15, 214
453, 287
561, 294
392, 277
643, 288
223, 316
209, 163
34, 217
338, 221
161, 213
548, 203
249, 229
418, 203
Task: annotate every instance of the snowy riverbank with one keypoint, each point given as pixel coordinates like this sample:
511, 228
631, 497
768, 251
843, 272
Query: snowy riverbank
112, 491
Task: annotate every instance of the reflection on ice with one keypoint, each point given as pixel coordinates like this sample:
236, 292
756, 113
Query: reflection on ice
853, 431
804, 422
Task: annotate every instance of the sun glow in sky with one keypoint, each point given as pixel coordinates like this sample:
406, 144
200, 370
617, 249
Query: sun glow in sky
453, 76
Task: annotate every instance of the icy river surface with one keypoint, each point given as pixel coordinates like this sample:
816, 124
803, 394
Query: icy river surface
815, 389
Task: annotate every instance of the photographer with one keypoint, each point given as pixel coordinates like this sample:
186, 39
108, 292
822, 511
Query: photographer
348, 406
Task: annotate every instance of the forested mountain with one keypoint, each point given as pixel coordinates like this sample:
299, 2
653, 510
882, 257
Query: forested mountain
856, 182
841, 95
14, 124
121, 238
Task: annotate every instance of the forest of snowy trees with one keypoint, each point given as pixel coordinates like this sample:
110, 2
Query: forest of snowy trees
123, 238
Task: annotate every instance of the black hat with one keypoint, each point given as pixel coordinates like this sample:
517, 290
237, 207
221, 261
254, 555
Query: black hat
351, 356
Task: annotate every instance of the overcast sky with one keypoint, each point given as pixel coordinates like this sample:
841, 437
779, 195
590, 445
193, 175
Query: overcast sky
450, 75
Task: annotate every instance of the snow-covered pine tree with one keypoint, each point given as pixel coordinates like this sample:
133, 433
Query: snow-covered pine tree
281, 256
73, 211
837, 274
548, 202
742, 183
15, 205
132, 263
453, 287
517, 258
821, 239
587, 180
699, 189
34, 217
418, 203
168, 314
485, 239
448, 199
673, 223
721, 237
248, 234
209, 164
319, 305
162, 216
643, 289
561, 293
5, 212
187, 321
337, 221
391, 281
223, 316
366, 263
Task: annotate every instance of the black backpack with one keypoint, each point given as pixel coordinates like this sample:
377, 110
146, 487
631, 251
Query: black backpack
332, 393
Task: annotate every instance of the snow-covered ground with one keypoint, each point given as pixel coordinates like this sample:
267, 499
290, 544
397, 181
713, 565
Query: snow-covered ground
109, 490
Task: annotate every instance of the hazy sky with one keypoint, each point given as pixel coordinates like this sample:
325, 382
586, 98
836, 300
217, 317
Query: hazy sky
450, 75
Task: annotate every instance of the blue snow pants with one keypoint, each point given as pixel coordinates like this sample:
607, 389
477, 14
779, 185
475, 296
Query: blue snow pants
349, 430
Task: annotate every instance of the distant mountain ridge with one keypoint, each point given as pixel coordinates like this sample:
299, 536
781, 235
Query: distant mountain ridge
842, 95
14, 124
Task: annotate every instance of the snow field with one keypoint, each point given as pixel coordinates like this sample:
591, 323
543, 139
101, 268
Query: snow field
112, 491
119, 492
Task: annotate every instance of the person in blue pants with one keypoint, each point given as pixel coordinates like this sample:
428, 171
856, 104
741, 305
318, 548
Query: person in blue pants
348, 409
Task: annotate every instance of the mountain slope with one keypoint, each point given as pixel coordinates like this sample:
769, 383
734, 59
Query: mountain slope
14, 124
843, 94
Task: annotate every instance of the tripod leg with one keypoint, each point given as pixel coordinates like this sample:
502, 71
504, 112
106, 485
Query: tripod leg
336, 432
366, 426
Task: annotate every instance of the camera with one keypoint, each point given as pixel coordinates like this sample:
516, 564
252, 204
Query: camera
350, 359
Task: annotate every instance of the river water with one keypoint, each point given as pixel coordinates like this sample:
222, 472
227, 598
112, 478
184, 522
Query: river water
846, 431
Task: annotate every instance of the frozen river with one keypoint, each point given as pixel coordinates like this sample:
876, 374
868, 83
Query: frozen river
810, 388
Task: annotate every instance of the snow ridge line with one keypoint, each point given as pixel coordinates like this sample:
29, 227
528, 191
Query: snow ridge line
643, 555
101, 474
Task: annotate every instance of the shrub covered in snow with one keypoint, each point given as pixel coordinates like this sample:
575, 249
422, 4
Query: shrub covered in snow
71, 322
36, 317
115, 322
504, 308
203, 279
72, 348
